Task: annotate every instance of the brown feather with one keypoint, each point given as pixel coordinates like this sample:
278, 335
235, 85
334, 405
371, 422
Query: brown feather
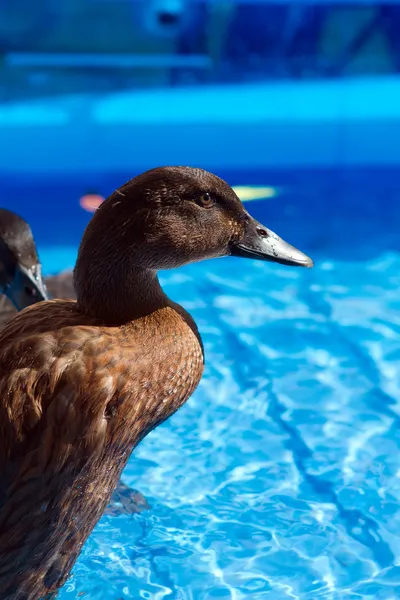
77, 398
124, 500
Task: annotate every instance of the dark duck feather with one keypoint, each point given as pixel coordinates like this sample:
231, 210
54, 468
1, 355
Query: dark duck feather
82, 383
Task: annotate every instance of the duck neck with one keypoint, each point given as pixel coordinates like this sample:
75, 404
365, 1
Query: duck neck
117, 297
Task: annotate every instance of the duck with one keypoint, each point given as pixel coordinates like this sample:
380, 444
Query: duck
83, 382
22, 284
21, 279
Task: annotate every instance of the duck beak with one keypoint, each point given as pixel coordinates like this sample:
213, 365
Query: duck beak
261, 243
27, 287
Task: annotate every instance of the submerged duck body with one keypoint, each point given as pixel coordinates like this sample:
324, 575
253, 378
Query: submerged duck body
82, 383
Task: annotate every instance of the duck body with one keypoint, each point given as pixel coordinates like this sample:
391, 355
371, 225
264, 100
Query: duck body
83, 382
64, 441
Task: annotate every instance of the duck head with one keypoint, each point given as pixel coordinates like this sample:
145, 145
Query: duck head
171, 216
165, 218
20, 270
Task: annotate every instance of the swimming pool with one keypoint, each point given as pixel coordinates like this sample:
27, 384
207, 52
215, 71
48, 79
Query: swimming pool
280, 477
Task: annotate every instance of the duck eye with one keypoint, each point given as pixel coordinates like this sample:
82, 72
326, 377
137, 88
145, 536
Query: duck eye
205, 200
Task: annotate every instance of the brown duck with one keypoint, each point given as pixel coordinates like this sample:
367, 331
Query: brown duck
83, 382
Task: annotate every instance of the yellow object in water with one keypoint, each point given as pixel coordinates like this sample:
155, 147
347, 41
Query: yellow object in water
254, 192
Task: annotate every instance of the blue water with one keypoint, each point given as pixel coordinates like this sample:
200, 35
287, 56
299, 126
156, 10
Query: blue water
280, 478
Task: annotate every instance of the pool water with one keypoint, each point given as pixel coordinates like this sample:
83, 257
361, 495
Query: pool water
280, 478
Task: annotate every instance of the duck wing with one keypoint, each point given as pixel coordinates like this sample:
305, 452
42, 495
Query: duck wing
59, 458
125, 500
